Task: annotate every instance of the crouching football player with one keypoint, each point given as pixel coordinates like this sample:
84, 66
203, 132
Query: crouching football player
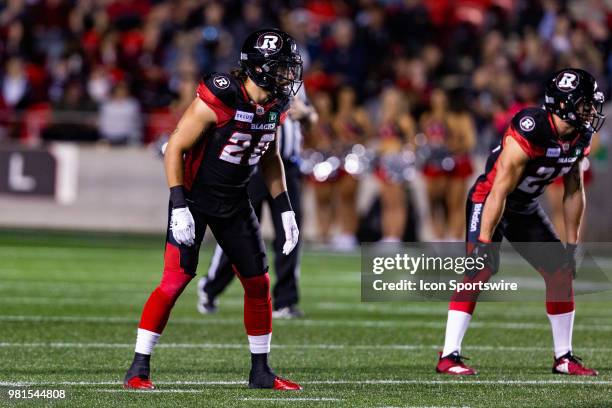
226, 131
539, 145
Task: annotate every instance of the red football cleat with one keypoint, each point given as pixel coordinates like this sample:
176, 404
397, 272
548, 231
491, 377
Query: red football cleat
453, 365
571, 365
138, 383
285, 385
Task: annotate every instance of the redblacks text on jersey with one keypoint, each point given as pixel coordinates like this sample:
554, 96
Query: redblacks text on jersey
219, 166
549, 158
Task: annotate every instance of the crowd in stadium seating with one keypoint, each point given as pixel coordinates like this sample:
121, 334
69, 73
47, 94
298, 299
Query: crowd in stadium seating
105, 55
453, 72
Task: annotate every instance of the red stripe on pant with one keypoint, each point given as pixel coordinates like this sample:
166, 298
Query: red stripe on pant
257, 304
174, 280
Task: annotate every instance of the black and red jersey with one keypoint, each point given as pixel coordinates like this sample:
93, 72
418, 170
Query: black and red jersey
219, 166
549, 158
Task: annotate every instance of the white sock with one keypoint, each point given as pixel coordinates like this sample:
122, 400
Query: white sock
456, 326
145, 341
260, 344
562, 327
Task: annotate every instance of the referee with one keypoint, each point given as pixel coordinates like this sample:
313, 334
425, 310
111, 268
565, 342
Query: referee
285, 292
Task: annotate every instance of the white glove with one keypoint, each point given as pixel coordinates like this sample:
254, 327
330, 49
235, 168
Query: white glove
182, 226
291, 231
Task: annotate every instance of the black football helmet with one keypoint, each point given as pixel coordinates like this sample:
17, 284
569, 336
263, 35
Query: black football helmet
271, 59
572, 95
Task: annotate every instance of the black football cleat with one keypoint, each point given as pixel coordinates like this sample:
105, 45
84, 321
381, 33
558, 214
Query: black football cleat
268, 380
137, 377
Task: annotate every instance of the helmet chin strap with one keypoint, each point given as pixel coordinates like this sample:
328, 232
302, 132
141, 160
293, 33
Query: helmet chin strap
256, 93
564, 128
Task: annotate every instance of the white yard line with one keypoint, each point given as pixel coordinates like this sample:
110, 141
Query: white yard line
168, 391
305, 322
315, 399
79, 345
455, 381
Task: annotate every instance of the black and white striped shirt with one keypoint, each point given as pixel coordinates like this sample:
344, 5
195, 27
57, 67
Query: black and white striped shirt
290, 135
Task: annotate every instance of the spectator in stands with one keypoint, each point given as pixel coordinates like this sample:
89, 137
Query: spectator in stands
119, 118
15, 84
73, 117
343, 56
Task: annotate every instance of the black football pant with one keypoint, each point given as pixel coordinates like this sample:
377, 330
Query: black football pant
286, 267
533, 237
240, 237
519, 229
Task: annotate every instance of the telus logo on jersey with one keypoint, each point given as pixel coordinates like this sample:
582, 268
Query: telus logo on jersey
567, 81
269, 43
221, 82
553, 152
243, 116
527, 124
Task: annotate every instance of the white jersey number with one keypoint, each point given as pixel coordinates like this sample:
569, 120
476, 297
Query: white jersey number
238, 143
544, 175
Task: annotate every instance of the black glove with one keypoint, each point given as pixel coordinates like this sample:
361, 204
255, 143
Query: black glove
489, 251
570, 258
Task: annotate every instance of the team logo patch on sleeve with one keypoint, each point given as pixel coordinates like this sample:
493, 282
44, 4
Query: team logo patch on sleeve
527, 124
221, 82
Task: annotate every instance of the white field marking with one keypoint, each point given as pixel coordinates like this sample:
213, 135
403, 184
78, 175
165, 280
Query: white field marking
168, 391
41, 300
237, 302
455, 381
304, 322
441, 309
315, 399
289, 346
99, 300
61, 251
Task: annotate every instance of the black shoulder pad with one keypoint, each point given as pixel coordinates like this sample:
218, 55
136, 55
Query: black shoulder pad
225, 87
533, 125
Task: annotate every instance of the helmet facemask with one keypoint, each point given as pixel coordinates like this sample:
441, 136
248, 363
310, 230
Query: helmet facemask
284, 75
589, 112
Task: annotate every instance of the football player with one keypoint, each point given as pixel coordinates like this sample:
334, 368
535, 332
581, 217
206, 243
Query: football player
228, 130
539, 145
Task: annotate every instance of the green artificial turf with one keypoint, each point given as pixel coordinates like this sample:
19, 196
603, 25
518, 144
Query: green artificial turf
70, 303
